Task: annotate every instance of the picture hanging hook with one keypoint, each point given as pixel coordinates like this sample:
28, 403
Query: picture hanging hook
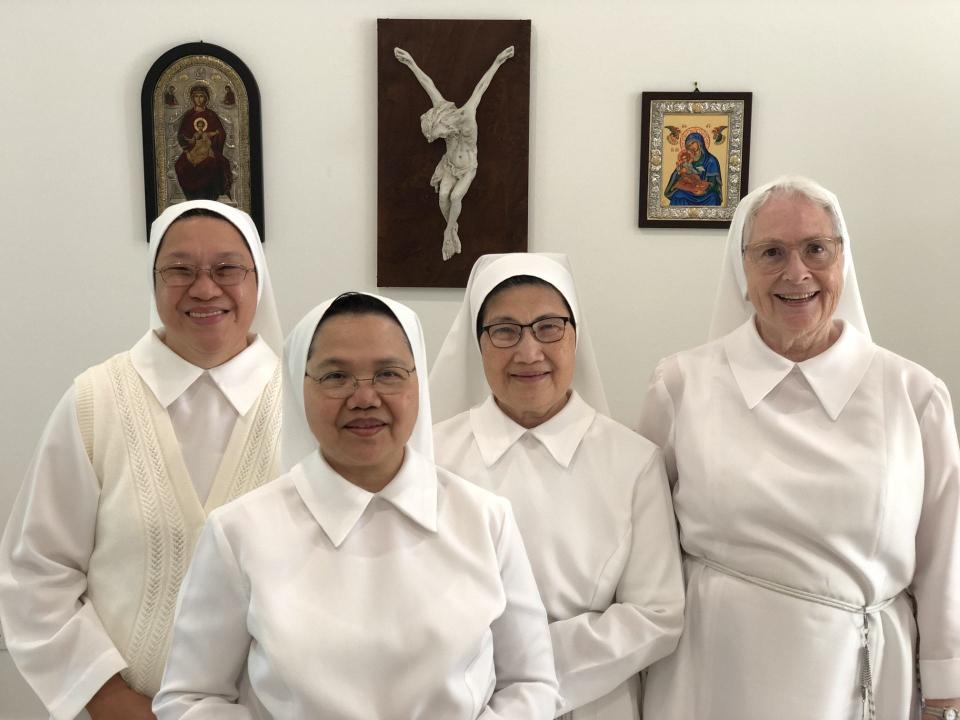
696, 86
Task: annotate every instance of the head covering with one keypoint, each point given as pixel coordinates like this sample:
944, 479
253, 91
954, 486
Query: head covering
457, 374
711, 166
732, 307
266, 321
296, 440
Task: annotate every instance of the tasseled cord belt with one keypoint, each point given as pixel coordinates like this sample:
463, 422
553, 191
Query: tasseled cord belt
866, 666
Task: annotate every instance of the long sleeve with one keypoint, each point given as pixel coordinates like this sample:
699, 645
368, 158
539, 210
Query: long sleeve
936, 584
594, 651
526, 686
657, 415
53, 632
210, 639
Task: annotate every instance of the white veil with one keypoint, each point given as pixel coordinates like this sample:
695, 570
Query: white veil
266, 321
457, 374
732, 308
296, 440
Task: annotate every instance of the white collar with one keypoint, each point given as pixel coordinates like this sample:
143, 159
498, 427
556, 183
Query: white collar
337, 504
241, 379
834, 374
561, 435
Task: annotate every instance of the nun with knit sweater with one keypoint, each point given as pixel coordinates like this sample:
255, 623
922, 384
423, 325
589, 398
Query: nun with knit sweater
134, 456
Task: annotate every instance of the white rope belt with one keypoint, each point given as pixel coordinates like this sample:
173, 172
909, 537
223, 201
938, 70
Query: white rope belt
866, 665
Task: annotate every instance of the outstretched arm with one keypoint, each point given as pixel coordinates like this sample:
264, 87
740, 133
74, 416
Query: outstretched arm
484, 83
407, 59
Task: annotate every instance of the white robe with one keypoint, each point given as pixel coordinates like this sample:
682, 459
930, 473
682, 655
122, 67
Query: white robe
837, 476
52, 629
593, 505
312, 598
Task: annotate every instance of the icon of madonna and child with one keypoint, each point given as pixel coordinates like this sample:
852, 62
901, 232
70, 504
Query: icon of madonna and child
696, 179
203, 171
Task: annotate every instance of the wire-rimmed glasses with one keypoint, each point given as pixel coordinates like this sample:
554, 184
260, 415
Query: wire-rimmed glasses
816, 253
184, 275
386, 381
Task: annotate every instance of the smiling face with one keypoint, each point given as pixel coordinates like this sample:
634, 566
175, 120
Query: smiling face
531, 380
363, 436
795, 306
204, 323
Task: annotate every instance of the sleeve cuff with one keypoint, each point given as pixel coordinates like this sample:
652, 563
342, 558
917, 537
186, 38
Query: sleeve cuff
72, 703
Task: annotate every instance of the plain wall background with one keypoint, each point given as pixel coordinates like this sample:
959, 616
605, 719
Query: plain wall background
859, 95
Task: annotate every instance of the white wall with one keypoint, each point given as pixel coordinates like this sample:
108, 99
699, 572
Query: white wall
860, 95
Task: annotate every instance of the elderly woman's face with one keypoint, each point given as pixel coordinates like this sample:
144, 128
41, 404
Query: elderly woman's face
361, 436
797, 302
531, 380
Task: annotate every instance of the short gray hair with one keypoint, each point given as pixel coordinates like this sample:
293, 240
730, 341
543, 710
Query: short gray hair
802, 186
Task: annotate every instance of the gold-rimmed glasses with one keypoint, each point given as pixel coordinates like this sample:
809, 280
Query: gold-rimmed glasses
184, 275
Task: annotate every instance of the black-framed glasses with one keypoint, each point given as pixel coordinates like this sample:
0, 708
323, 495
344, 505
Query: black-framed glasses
508, 334
183, 275
386, 381
816, 253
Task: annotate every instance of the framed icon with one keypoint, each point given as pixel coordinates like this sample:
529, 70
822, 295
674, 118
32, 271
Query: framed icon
201, 131
695, 152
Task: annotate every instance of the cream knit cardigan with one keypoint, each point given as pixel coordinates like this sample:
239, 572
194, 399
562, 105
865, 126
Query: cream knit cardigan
150, 516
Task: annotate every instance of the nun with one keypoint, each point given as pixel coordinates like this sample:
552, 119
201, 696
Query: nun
522, 413
364, 582
816, 481
136, 453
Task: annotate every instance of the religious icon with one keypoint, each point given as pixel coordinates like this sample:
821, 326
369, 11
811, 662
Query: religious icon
696, 179
458, 128
479, 175
696, 149
201, 121
204, 173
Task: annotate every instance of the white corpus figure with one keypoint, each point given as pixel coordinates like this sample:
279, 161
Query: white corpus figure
458, 127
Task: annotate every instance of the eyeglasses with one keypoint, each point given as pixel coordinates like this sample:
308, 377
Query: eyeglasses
223, 274
545, 330
816, 253
341, 385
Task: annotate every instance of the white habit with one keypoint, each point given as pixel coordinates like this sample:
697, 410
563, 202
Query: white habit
593, 505
312, 598
591, 501
838, 477
135, 454
96, 545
